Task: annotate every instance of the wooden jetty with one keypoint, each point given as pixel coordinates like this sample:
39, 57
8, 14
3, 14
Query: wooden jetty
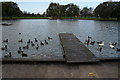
74, 50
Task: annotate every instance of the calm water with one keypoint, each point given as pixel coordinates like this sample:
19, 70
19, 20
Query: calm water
41, 29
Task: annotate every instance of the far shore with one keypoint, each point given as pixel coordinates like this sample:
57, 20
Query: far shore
50, 18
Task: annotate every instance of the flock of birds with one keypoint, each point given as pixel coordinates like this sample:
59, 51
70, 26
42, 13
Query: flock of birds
101, 44
45, 42
29, 43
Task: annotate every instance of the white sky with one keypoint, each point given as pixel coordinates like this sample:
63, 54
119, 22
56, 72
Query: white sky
40, 6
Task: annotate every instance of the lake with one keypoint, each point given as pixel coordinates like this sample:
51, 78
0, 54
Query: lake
41, 29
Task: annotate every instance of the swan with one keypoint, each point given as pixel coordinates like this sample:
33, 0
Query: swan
101, 44
111, 45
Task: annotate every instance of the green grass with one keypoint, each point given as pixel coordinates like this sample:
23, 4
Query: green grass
80, 18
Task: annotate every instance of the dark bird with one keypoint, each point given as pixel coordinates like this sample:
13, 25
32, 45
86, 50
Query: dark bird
19, 33
89, 37
46, 42
20, 40
8, 55
28, 41
37, 47
36, 40
5, 40
41, 43
118, 49
49, 38
92, 42
2, 48
33, 44
5, 46
24, 54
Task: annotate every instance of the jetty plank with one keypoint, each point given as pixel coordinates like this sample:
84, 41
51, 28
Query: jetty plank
74, 50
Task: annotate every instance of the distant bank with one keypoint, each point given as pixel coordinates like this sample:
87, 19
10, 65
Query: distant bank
50, 18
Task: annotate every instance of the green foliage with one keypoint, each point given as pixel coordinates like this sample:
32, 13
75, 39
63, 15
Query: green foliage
108, 10
10, 9
56, 10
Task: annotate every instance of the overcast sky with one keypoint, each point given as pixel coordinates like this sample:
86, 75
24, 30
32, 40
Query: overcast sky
39, 6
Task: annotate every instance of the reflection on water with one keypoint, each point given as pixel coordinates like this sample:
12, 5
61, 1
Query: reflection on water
106, 31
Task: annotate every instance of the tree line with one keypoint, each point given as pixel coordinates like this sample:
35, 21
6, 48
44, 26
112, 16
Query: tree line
103, 10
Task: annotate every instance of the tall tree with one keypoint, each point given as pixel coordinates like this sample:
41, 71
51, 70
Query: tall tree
10, 9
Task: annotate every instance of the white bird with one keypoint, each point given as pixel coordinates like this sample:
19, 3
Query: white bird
111, 45
101, 44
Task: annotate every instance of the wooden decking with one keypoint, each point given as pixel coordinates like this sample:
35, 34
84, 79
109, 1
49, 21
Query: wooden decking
74, 50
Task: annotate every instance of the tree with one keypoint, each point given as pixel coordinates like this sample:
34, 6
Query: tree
108, 10
56, 10
10, 9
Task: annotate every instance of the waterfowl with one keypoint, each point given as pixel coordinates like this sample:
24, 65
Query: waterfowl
24, 54
2, 48
36, 40
37, 47
8, 55
20, 40
89, 37
92, 42
101, 43
46, 42
41, 43
26, 47
49, 38
33, 44
19, 33
28, 41
37, 44
5, 46
118, 49
111, 45
5, 40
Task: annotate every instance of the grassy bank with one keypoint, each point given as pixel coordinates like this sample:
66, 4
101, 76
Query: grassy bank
80, 18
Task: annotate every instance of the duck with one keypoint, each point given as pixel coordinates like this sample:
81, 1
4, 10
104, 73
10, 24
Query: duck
36, 40
101, 43
92, 42
2, 48
41, 43
26, 47
37, 48
28, 41
5, 40
111, 45
46, 42
49, 38
8, 55
118, 49
5, 46
20, 40
89, 37
24, 54
19, 33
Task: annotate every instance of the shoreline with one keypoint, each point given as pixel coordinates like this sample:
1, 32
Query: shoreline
63, 18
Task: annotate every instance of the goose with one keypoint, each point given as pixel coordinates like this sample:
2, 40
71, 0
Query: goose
111, 45
5, 40
89, 37
19, 33
28, 41
41, 43
101, 43
8, 55
2, 48
118, 49
24, 54
37, 47
46, 42
25, 47
36, 40
49, 38
92, 42
5, 46
20, 40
